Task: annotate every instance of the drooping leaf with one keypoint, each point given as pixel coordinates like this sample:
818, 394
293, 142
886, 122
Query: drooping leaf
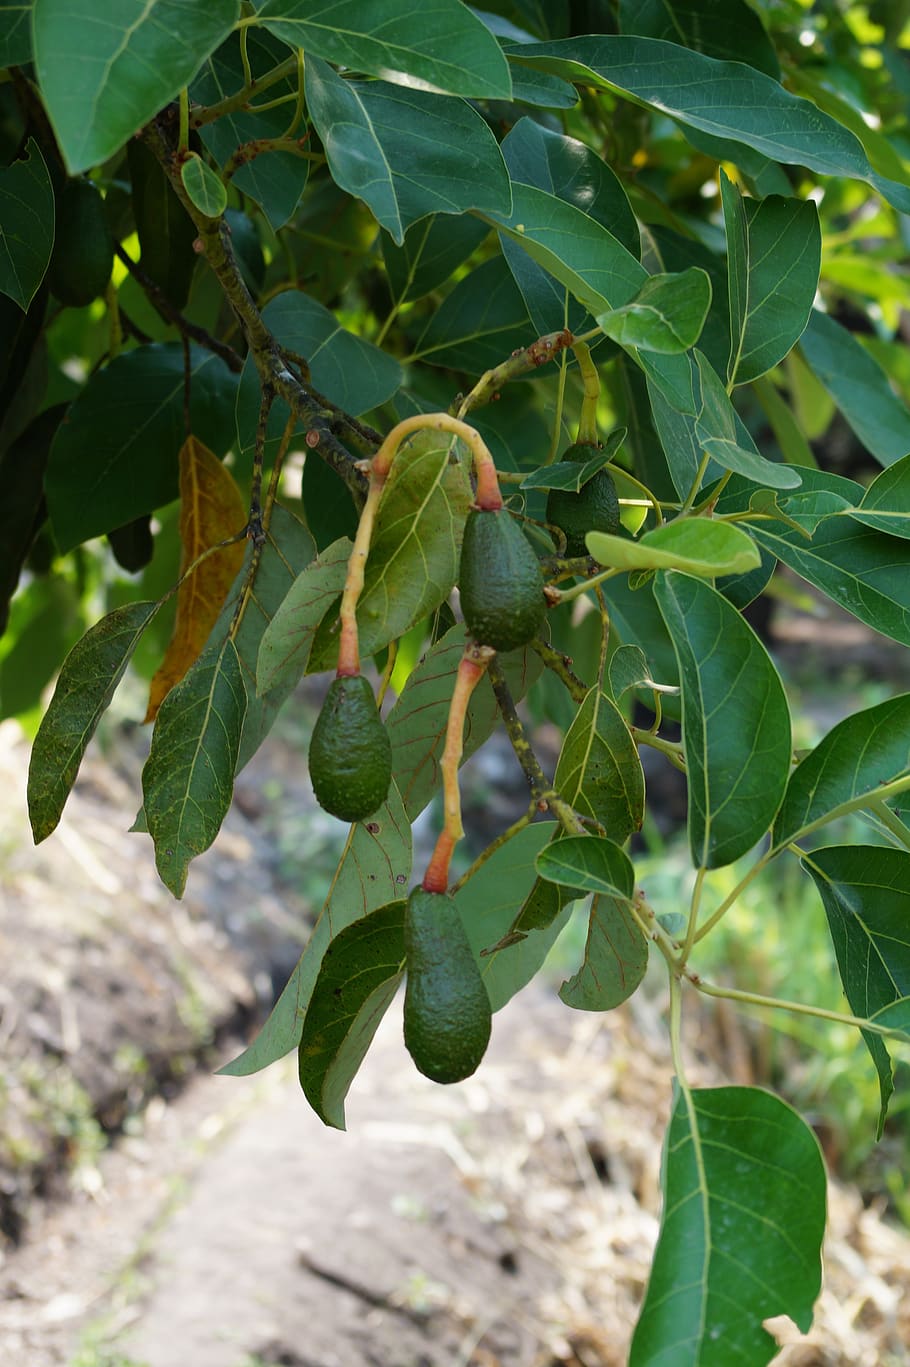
698, 545
188, 778
588, 863
886, 503
211, 510
445, 47
666, 315
15, 32
736, 723
718, 28
741, 1231
116, 456
373, 871
284, 651
865, 890
204, 186
859, 387
859, 755
88, 679
405, 153
480, 322
103, 77
166, 231
26, 225
357, 979
615, 961
599, 772
773, 257
432, 249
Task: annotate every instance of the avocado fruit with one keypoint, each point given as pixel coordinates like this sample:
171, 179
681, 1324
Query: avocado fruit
500, 582
447, 1016
594, 508
350, 751
83, 254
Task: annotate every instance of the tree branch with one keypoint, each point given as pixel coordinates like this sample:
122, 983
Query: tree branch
170, 314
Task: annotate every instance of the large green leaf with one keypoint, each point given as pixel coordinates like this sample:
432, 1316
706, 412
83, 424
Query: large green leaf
859, 387
284, 651
482, 321
736, 723
863, 571
666, 315
773, 257
26, 225
357, 979
723, 436
859, 755
719, 28
105, 75
15, 32
866, 894
886, 503
697, 545
599, 772
90, 674
615, 961
588, 863
432, 249
722, 99
116, 456
188, 778
444, 45
741, 1232
406, 153
373, 871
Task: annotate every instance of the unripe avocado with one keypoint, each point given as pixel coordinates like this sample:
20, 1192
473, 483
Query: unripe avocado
500, 582
350, 751
83, 252
594, 508
447, 1015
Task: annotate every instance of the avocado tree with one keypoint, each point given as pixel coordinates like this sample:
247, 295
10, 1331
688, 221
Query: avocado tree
312, 314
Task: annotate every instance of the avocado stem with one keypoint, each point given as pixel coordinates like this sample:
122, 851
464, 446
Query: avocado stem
471, 669
587, 421
349, 641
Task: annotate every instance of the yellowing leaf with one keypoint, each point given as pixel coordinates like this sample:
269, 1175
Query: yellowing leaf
211, 509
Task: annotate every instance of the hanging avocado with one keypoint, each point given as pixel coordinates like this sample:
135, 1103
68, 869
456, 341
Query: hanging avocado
447, 1017
350, 752
500, 582
594, 508
83, 254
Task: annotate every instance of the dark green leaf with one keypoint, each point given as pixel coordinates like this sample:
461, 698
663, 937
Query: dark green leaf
616, 957
166, 231
741, 1231
102, 78
719, 28
188, 778
722, 435
588, 863
599, 772
116, 456
479, 323
90, 674
26, 225
636, 619
22, 467
373, 871
286, 643
356, 982
574, 474
773, 258
666, 315
866, 894
858, 756
205, 188
541, 89
15, 32
432, 249
859, 387
444, 46
736, 723
886, 503
406, 153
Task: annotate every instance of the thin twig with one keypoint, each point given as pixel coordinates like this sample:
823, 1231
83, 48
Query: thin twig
163, 306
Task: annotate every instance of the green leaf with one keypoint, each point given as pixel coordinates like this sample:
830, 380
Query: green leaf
16, 34
736, 723
588, 863
867, 750
865, 890
405, 153
666, 315
886, 502
444, 46
773, 257
636, 620
722, 435
859, 387
188, 778
616, 958
373, 871
44, 624
863, 571
741, 1231
788, 433
629, 669
357, 979
288, 639
350, 371
88, 679
698, 545
274, 179
166, 231
205, 188
26, 225
116, 456
574, 474
719, 28
482, 321
103, 77
714, 97
541, 89
432, 249
417, 723
599, 772
414, 551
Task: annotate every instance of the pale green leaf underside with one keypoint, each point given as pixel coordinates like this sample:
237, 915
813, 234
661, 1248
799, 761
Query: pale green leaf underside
697, 545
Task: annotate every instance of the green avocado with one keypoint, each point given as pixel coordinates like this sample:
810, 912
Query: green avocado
447, 1017
83, 252
500, 582
350, 752
594, 508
